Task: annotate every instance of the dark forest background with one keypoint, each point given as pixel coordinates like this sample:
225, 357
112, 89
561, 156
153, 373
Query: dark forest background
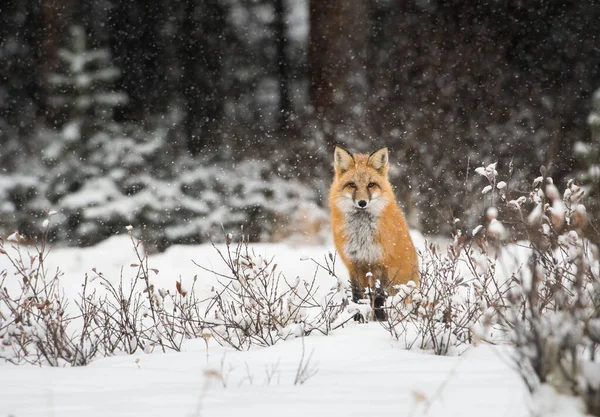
184, 116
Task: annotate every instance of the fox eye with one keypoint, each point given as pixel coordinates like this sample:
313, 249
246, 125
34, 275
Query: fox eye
352, 185
371, 185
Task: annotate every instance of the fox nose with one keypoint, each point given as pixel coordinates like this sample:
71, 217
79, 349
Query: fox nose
362, 204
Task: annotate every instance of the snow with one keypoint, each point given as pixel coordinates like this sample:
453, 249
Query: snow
496, 229
359, 369
298, 20
549, 403
480, 171
581, 149
71, 131
14, 237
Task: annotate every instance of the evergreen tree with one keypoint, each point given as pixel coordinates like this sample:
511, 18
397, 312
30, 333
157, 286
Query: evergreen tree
82, 92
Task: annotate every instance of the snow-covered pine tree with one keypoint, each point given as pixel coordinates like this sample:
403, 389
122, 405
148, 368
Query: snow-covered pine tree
82, 92
83, 89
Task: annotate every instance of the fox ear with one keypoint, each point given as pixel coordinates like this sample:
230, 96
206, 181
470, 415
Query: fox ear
343, 160
378, 160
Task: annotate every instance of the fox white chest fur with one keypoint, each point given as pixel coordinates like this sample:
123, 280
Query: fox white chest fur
360, 233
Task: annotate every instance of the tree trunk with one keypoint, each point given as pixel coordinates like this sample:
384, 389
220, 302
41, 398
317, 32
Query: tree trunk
337, 60
285, 103
137, 44
52, 28
204, 33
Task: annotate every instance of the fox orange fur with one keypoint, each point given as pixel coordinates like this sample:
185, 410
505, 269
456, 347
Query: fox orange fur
369, 230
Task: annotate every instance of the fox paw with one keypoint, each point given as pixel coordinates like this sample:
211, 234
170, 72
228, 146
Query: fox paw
380, 314
358, 317
378, 307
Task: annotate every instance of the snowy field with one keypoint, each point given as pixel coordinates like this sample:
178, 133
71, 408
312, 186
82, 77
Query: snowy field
358, 370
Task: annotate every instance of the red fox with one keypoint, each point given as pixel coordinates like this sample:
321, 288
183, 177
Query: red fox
369, 230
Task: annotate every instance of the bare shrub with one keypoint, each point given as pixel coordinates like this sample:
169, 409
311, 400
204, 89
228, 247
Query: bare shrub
112, 315
457, 289
252, 305
134, 314
255, 304
34, 324
552, 311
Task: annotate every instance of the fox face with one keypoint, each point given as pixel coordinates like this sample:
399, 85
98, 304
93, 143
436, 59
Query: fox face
361, 184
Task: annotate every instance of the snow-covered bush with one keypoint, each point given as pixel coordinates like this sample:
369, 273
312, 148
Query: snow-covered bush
552, 309
101, 176
21, 204
248, 194
111, 315
191, 206
137, 177
456, 292
133, 314
34, 324
255, 304
252, 305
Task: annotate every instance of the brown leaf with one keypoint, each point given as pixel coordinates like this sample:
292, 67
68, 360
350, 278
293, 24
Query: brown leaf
179, 289
419, 396
212, 373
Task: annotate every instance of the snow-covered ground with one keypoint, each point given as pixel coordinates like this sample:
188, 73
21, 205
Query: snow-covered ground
358, 370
